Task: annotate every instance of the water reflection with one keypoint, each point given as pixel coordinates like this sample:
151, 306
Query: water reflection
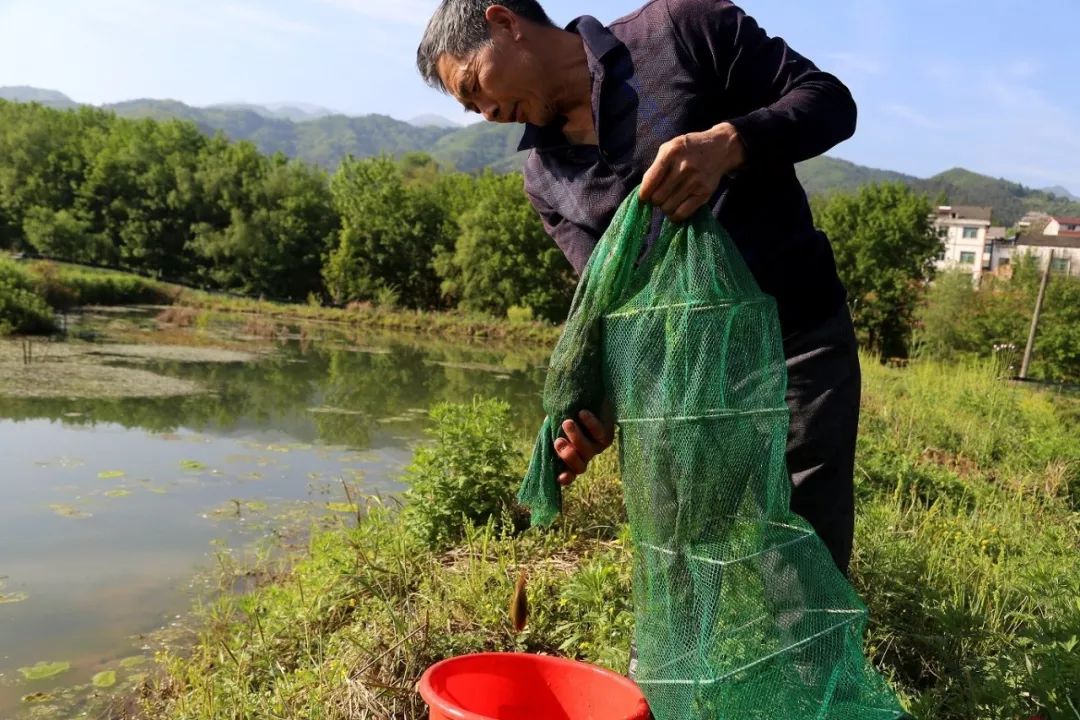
148, 478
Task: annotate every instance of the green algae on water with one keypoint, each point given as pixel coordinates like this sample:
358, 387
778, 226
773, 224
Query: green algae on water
44, 670
104, 679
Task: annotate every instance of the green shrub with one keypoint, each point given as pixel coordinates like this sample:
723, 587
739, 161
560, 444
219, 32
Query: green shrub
518, 314
67, 287
466, 476
21, 309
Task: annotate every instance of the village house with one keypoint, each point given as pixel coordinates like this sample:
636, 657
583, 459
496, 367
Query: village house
964, 234
1060, 235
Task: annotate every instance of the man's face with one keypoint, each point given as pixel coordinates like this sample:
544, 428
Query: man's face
502, 81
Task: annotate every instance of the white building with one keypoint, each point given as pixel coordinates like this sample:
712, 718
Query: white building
1062, 236
963, 232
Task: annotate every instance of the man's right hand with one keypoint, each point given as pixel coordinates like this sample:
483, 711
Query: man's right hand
585, 439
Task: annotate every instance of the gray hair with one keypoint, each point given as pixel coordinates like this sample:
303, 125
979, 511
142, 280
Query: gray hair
458, 28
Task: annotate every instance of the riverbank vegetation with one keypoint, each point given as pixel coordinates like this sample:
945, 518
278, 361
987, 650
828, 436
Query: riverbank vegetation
969, 491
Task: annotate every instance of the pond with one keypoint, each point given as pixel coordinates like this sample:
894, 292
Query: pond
113, 504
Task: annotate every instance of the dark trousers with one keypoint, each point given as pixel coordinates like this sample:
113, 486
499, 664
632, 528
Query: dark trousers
824, 386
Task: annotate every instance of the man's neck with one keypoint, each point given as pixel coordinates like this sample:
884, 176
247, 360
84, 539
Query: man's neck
573, 86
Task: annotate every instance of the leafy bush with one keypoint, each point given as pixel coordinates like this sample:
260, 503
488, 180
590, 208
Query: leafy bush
66, 287
466, 477
21, 309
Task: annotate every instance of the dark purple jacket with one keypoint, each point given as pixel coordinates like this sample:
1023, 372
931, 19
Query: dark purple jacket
680, 66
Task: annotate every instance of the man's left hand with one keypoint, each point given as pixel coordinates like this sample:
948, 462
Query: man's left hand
688, 169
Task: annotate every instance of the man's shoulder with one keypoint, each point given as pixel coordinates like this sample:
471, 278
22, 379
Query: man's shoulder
678, 16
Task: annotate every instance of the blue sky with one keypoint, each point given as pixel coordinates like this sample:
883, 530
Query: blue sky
991, 85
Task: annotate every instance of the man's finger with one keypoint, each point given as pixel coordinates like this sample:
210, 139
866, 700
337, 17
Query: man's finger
569, 455
677, 200
595, 428
688, 208
584, 445
654, 176
675, 185
566, 478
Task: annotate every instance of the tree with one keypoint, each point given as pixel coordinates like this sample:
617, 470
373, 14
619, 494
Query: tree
885, 247
503, 257
389, 233
65, 234
267, 223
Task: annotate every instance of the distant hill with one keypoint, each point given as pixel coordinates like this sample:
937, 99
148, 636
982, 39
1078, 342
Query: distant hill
959, 187
430, 120
823, 175
479, 146
1061, 192
23, 93
320, 136
297, 112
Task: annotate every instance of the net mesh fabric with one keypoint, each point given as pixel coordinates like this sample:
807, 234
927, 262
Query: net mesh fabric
740, 611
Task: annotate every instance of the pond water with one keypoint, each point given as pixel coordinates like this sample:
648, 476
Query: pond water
110, 507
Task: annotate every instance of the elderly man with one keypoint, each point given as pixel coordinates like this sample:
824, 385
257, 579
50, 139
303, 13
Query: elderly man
691, 100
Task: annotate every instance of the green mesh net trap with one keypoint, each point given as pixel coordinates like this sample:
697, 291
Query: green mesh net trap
739, 609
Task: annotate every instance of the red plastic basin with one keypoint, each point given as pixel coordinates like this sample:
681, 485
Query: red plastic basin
517, 686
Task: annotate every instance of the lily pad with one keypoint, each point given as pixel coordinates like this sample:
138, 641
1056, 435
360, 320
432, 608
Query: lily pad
192, 465
68, 511
342, 507
44, 670
12, 598
118, 493
133, 661
110, 474
253, 475
104, 679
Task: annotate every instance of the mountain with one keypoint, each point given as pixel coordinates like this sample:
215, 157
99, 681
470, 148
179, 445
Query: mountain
430, 120
297, 112
50, 98
320, 136
823, 175
324, 141
958, 186
1061, 192
1010, 200
481, 145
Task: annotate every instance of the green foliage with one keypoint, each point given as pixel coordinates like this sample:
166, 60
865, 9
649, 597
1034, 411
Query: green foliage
465, 477
965, 554
269, 222
503, 256
63, 233
957, 320
389, 232
965, 551
22, 310
885, 247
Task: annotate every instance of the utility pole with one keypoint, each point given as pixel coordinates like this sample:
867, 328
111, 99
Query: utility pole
1035, 318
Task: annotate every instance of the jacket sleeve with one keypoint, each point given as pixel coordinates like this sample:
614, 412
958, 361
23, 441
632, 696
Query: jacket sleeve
784, 108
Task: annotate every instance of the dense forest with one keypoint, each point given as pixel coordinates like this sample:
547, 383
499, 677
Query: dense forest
160, 198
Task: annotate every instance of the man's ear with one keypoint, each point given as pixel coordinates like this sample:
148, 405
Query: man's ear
503, 19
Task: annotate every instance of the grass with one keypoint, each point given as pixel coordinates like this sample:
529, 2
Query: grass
62, 287
966, 552
452, 324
